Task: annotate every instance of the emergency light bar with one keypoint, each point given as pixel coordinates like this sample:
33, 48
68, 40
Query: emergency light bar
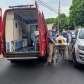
22, 6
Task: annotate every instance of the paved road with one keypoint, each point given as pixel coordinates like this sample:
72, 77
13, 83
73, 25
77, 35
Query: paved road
40, 74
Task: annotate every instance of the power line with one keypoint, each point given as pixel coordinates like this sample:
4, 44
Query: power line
50, 8
47, 6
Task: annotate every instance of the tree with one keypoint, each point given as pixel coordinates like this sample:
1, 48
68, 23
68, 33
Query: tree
63, 21
50, 20
77, 13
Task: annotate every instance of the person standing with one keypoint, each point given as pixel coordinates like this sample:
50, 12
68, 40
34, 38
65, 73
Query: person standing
61, 43
52, 37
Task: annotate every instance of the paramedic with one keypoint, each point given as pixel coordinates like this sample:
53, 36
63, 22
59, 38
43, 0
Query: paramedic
65, 34
52, 37
34, 38
61, 42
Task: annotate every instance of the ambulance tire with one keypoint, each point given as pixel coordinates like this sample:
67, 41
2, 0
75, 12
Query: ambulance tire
43, 59
14, 61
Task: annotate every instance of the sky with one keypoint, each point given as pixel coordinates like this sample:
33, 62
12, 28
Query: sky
65, 5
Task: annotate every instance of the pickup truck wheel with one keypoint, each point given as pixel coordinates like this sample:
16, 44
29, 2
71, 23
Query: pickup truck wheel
76, 64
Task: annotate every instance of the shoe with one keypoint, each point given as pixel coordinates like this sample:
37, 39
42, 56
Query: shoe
49, 63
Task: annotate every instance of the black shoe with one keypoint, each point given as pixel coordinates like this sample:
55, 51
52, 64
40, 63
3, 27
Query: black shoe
49, 63
52, 61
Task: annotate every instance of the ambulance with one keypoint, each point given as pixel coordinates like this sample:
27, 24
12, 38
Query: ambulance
23, 33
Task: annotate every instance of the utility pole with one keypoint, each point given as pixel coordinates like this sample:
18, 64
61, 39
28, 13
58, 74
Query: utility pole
59, 16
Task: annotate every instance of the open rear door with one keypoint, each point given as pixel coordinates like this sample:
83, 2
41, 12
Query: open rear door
1, 29
42, 37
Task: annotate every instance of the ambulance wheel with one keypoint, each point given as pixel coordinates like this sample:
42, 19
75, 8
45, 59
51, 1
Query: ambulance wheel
14, 61
43, 59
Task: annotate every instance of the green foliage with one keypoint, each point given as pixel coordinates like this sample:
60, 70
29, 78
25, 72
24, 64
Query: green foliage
77, 13
76, 17
51, 20
63, 20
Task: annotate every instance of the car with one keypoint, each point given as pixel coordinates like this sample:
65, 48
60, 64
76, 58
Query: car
78, 51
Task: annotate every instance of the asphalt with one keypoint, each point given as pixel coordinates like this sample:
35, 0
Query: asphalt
37, 73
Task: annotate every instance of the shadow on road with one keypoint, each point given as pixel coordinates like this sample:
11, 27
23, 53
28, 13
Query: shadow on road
35, 65
80, 67
28, 64
35, 72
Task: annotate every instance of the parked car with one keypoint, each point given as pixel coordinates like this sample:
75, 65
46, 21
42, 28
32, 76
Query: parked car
78, 53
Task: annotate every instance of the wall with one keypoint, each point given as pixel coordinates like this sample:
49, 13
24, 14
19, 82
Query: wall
9, 27
13, 33
17, 30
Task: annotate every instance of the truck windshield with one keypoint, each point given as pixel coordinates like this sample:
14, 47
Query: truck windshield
81, 34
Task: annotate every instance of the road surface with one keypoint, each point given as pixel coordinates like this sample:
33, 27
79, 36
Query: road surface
40, 73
